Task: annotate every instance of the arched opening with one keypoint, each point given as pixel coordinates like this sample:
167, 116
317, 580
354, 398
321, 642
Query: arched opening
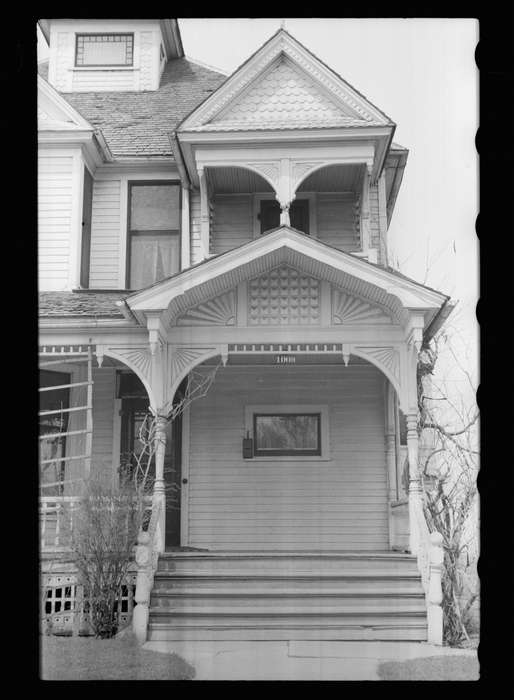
333, 196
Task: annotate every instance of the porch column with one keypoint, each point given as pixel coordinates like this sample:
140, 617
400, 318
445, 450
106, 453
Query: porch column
284, 215
159, 493
415, 499
204, 213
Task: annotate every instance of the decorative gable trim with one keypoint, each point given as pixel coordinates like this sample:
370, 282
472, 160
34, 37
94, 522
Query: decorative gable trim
347, 308
49, 100
219, 311
283, 43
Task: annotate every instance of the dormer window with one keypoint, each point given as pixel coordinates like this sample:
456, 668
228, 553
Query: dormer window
104, 50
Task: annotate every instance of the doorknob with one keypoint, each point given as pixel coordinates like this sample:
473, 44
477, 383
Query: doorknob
184, 481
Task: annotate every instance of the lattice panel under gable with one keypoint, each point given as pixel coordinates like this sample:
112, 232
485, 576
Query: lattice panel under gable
284, 296
285, 96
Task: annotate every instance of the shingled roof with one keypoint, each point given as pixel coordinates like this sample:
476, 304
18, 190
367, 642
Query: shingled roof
94, 304
138, 123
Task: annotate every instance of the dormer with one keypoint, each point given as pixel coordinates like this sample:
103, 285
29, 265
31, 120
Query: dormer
286, 141
99, 55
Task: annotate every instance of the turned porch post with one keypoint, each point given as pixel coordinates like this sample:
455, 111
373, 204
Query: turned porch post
415, 502
159, 493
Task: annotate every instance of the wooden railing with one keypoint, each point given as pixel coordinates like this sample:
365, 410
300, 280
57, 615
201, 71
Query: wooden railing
147, 556
430, 557
56, 521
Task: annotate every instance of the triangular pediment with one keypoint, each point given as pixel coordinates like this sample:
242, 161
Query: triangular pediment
283, 85
280, 268
54, 113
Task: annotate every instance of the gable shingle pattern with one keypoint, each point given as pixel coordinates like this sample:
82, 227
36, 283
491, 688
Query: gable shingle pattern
80, 304
138, 123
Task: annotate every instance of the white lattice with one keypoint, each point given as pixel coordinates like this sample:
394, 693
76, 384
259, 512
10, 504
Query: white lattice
283, 96
284, 296
220, 311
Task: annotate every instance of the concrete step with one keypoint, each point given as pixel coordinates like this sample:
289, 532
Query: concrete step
411, 633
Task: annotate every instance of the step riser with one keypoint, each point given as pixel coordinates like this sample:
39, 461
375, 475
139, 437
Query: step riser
292, 568
277, 604
414, 634
284, 585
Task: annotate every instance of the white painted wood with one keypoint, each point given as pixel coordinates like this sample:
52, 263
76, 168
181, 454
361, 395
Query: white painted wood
337, 222
103, 423
106, 221
56, 217
232, 223
196, 239
144, 74
249, 504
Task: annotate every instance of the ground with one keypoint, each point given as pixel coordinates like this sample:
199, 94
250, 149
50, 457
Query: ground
86, 658
80, 658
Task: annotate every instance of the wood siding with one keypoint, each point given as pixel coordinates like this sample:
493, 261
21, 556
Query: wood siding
232, 222
196, 235
103, 422
337, 221
55, 212
95, 80
312, 504
105, 235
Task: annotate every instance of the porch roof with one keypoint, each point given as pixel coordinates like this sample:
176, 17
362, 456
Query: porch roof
285, 245
72, 304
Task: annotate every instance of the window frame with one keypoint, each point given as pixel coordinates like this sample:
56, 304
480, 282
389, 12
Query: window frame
290, 409
99, 66
159, 232
260, 452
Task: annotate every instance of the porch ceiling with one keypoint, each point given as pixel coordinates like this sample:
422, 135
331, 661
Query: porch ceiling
334, 178
236, 181
217, 275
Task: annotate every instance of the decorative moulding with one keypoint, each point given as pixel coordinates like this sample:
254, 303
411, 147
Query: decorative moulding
219, 311
287, 46
184, 358
284, 296
348, 309
387, 357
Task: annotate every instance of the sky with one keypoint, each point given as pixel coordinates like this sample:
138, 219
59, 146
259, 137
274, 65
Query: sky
421, 73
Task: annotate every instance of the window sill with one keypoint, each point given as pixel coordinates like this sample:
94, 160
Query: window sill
290, 459
82, 69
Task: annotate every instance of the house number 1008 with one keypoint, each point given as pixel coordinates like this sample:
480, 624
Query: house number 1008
285, 359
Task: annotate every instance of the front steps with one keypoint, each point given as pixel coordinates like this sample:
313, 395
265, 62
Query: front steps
287, 595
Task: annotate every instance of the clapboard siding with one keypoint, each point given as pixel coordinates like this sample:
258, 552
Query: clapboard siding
103, 422
337, 221
93, 80
232, 222
55, 206
250, 504
196, 241
105, 235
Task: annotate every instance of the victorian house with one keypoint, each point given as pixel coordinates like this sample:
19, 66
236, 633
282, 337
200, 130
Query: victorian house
230, 232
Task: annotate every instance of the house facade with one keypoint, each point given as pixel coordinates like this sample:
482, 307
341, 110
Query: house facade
223, 239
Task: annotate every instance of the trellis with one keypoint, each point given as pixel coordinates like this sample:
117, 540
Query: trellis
52, 508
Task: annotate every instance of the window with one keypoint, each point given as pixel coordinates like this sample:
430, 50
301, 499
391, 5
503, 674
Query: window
287, 434
104, 50
298, 215
153, 232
